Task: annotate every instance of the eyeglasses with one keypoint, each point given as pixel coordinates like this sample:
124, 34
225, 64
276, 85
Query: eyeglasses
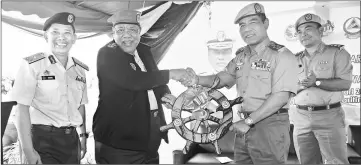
121, 31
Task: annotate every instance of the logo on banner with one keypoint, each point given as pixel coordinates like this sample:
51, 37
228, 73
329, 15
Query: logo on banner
352, 28
290, 33
328, 28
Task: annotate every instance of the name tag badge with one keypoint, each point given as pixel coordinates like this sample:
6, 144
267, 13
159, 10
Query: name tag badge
323, 62
47, 77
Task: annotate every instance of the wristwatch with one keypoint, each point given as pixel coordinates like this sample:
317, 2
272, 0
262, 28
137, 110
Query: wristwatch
249, 121
318, 83
86, 135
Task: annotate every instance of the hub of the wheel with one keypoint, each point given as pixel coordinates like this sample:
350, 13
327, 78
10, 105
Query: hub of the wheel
202, 110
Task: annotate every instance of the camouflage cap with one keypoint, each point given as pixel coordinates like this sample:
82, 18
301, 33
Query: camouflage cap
306, 19
125, 17
221, 42
249, 10
60, 18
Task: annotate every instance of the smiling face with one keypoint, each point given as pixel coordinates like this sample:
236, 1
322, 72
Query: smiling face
60, 38
219, 58
253, 30
127, 36
309, 34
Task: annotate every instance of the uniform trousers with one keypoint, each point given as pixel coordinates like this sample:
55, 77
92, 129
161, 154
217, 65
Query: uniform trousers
105, 154
56, 145
267, 142
320, 135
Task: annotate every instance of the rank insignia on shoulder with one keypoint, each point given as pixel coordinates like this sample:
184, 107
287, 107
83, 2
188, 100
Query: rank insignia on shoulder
35, 57
276, 47
240, 50
77, 62
337, 46
112, 45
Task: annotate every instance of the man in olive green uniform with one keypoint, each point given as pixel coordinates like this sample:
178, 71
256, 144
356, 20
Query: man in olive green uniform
324, 72
266, 77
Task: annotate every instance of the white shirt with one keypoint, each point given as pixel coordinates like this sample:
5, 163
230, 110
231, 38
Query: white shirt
53, 93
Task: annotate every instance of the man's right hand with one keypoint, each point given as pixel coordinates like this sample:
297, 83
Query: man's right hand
32, 157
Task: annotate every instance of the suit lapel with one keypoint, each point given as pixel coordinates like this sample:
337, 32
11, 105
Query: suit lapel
146, 57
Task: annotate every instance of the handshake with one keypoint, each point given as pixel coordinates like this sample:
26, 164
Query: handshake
187, 76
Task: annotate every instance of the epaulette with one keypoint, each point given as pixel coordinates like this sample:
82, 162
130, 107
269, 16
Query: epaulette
112, 45
338, 46
276, 47
35, 57
240, 50
77, 62
299, 54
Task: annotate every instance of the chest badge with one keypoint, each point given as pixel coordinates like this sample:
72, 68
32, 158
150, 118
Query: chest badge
323, 62
81, 79
133, 66
261, 65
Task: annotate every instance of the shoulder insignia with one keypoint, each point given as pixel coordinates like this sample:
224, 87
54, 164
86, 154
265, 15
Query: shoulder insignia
77, 62
338, 46
240, 50
112, 45
299, 54
35, 57
276, 47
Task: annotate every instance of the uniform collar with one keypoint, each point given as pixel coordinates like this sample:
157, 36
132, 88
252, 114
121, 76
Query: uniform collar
260, 47
54, 60
320, 49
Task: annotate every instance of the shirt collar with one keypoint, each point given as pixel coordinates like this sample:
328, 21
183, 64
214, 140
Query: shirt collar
260, 47
320, 49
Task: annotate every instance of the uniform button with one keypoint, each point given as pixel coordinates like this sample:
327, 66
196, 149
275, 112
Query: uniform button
244, 91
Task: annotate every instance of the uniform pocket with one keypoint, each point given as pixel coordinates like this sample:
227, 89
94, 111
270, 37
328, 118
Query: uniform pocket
259, 84
323, 71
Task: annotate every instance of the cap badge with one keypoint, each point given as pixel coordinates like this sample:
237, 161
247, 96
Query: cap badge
221, 36
70, 18
257, 8
308, 17
138, 17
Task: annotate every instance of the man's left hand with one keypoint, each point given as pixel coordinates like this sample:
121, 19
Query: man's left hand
83, 147
309, 81
239, 127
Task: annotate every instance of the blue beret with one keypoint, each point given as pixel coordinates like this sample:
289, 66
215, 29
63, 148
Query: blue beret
308, 18
249, 10
60, 18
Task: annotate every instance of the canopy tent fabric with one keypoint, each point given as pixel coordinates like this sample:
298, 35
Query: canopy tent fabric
161, 21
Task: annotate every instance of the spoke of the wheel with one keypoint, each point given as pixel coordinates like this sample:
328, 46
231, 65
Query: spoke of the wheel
214, 119
196, 125
206, 124
188, 119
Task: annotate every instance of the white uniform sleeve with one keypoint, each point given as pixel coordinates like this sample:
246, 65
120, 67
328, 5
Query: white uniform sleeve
25, 84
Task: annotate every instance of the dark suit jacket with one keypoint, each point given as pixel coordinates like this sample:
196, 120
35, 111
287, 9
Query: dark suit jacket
122, 117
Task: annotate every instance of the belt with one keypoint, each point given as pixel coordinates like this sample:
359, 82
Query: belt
318, 108
49, 128
282, 110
